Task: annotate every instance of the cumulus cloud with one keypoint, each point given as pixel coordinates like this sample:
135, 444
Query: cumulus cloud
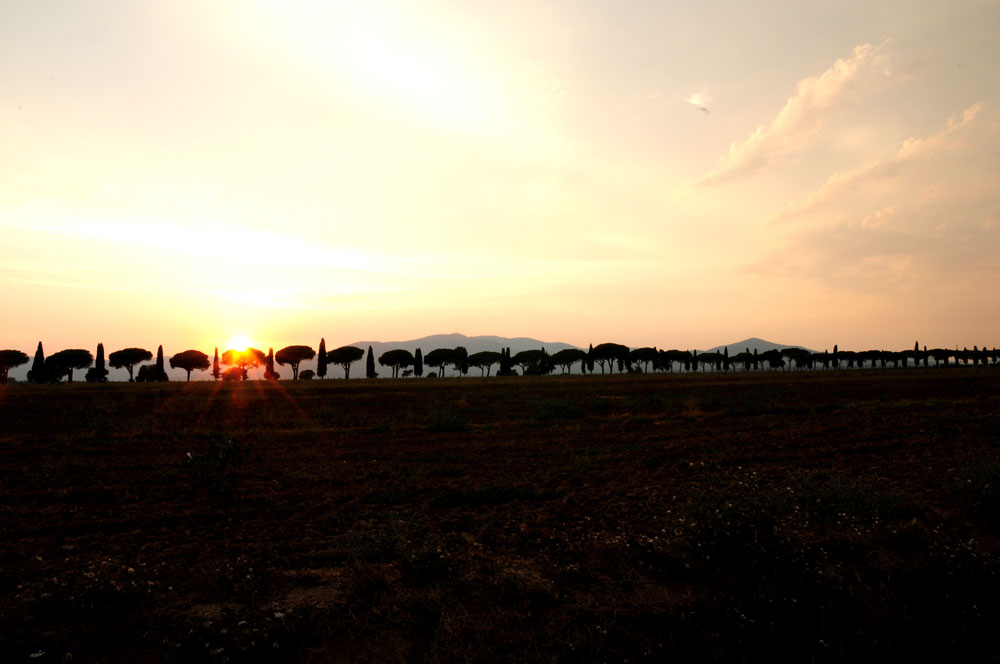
802, 116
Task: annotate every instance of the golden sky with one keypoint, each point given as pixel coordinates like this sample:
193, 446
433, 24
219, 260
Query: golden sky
180, 173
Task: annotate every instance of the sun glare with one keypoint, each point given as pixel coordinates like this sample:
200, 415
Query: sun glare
240, 342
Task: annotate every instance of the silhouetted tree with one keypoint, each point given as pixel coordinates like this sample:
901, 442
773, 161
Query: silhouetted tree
37, 372
216, 372
370, 364
462, 360
10, 359
506, 368
418, 364
567, 357
773, 359
608, 354
233, 374
293, 356
127, 358
307, 374
590, 359
395, 360
441, 358
269, 372
681, 357
190, 360
745, 359
710, 361
244, 360
153, 373
533, 362
484, 360
66, 361
345, 356
99, 373
725, 358
799, 356
643, 356
321, 359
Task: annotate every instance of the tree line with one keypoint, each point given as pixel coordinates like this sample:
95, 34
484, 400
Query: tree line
607, 357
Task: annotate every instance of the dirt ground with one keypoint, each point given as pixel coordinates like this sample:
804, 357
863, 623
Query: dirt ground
813, 516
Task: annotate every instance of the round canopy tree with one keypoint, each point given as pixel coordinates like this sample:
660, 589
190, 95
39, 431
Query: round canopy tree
608, 354
484, 360
567, 357
127, 358
244, 360
345, 356
441, 358
64, 362
292, 356
645, 357
396, 359
190, 360
10, 359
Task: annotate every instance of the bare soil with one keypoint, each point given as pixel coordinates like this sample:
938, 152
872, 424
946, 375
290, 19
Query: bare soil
806, 516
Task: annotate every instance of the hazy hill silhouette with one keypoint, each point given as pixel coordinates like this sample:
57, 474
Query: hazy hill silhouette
754, 344
471, 344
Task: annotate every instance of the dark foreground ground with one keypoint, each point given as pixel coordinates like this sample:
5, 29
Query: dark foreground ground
807, 517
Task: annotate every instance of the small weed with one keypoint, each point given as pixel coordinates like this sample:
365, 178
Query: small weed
216, 469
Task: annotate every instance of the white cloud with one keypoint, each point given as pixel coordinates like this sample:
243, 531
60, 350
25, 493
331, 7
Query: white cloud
947, 140
921, 221
802, 116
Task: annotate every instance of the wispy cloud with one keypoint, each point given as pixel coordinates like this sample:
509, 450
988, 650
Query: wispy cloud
921, 221
801, 118
912, 149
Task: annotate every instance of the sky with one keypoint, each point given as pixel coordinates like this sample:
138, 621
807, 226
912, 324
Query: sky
679, 175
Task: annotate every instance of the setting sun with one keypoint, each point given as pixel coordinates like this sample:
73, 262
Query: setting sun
240, 342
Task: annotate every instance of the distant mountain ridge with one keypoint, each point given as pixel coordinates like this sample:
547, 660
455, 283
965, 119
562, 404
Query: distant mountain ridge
754, 344
471, 344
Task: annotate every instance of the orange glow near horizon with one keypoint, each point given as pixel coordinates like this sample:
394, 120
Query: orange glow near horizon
240, 342
394, 170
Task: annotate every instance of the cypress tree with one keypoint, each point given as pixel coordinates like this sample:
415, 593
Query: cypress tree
269, 366
216, 372
161, 374
98, 373
725, 359
370, 362
321, 359
590, 359
418, 364
37, 372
